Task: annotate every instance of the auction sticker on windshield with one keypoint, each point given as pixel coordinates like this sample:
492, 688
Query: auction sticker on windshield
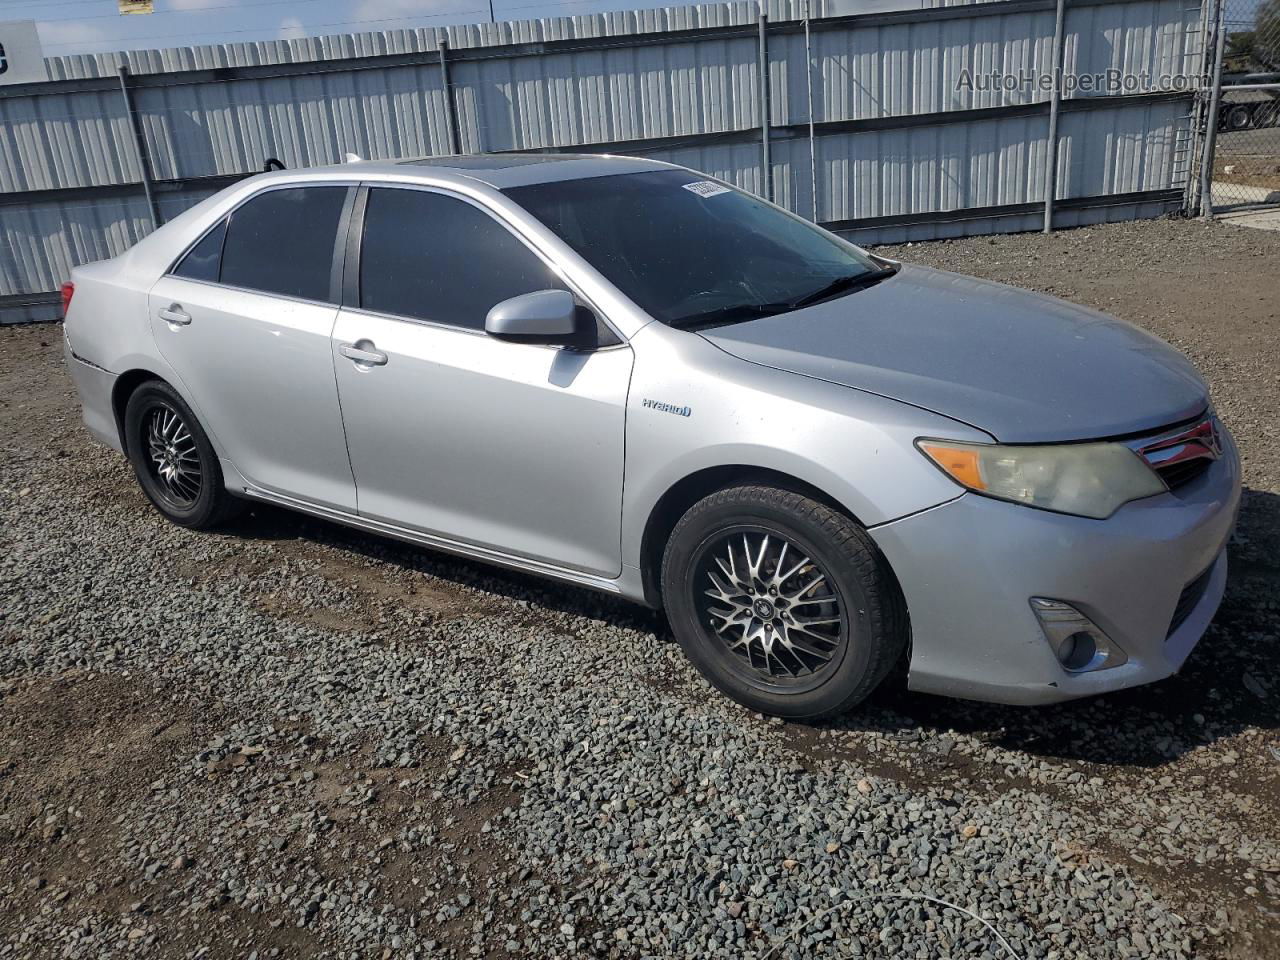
705, 188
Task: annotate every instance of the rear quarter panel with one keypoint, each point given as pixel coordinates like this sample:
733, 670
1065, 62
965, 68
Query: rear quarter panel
108, 323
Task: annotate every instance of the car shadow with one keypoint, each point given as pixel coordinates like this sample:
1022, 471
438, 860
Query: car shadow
264, 521
1230, 683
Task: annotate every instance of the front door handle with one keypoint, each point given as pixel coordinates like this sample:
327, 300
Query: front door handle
175, 314
363, 352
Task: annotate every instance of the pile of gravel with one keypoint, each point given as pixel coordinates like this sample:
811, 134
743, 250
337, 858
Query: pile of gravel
634, 817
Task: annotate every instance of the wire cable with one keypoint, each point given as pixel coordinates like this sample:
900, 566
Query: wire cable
311, 27
169, 13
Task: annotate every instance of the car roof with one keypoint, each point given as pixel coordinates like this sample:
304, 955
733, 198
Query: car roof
498, 170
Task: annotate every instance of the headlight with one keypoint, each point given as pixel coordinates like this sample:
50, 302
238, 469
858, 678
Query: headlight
1086, 479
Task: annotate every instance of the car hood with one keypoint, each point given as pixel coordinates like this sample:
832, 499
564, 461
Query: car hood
1022, 366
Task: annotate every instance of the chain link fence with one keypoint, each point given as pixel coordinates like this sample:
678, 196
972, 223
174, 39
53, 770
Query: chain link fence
1246, 166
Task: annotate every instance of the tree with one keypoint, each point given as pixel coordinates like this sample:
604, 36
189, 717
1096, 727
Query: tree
1266, 40
1239, 56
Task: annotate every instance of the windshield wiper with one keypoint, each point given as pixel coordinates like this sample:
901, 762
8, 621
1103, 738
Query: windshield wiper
730, 314
848, 284
751, 311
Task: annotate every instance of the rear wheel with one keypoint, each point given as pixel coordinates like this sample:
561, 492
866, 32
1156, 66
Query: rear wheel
173, 459
781, 602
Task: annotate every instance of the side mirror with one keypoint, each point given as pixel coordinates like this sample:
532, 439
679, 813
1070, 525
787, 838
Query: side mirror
545, 316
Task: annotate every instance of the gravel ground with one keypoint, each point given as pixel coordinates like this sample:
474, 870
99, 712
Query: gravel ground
289, 739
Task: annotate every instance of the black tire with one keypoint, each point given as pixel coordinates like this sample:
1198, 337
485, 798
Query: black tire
1238, 117
201, 505
863, 596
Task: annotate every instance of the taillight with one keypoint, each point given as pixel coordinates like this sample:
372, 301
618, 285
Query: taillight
68, 291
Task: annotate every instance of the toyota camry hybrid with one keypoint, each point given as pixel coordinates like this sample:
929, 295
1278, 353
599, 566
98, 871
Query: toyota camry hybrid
626, 375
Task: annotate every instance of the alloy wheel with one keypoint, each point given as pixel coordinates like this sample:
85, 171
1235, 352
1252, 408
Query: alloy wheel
771, 607
172, 456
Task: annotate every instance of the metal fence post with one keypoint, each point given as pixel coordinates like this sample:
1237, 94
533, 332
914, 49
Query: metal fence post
1196, 126
144, 158
808, 82
766, 164
1211, 121
451, 118
1055, 100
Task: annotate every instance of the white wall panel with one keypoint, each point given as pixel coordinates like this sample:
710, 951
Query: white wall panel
655, 86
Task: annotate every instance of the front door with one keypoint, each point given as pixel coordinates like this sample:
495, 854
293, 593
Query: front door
511, 447
245, 320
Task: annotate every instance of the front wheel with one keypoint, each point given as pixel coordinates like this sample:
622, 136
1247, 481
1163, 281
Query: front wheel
781, 602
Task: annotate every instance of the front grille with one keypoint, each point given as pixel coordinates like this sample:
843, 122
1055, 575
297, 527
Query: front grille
1181, 454
1177, 475
1187, 601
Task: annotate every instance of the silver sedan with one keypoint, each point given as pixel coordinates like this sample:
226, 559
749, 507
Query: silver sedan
632, 377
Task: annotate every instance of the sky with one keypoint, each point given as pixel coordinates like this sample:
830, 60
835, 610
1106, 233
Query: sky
90, 26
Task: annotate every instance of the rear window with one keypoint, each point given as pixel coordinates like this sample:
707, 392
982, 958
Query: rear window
282, 242
204, 260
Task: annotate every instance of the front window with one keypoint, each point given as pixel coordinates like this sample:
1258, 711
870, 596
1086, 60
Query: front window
690, 251
433, 257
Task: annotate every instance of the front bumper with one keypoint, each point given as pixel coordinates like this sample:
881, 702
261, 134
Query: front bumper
969, 567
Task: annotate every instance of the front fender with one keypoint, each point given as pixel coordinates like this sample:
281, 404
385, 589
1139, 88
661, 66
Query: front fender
707, 409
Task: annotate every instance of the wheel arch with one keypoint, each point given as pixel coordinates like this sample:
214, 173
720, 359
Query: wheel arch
684, 493
128, 383
125, 386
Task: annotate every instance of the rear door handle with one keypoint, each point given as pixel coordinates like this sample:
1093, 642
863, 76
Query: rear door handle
175, 314
362, 352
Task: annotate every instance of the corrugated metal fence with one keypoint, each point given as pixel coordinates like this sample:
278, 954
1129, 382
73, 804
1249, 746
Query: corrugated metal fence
902, 147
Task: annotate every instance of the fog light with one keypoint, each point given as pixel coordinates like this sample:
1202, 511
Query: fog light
1077, 651
1078, 642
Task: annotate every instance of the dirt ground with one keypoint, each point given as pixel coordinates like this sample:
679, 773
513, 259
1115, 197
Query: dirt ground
1252, 155
1170, 773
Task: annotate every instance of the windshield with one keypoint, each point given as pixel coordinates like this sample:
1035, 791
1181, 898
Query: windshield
689, 250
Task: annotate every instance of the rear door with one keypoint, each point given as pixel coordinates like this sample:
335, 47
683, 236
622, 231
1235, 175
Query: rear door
245, 319
512, 447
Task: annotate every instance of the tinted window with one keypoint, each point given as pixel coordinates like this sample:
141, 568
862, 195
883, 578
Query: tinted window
282, 242
204, 259
436, 258
687, 249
